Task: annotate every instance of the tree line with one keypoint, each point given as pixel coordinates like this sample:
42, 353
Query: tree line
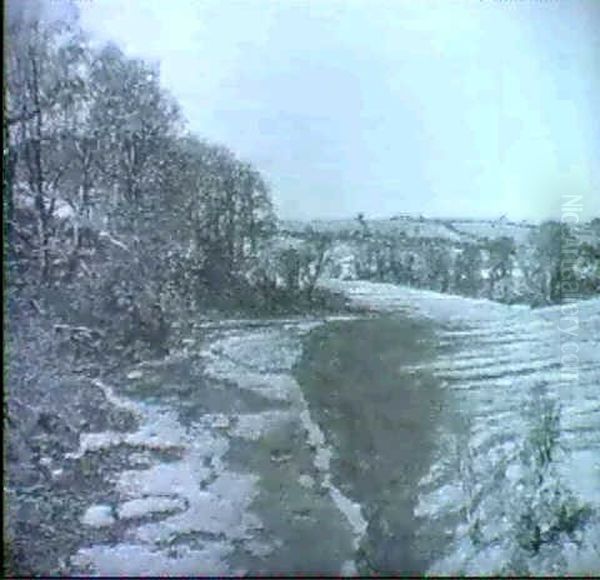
551, 266
114, 211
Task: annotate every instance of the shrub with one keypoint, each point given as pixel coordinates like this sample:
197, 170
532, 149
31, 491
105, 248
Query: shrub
550, 512
530, 518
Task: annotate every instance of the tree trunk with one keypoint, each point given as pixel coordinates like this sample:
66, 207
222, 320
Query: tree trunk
36, 176
9, 159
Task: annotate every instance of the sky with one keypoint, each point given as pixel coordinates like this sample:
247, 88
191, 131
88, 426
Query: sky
449, 108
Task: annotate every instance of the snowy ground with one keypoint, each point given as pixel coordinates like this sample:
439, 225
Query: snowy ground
201, 514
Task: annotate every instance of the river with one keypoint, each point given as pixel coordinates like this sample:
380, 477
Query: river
369, 443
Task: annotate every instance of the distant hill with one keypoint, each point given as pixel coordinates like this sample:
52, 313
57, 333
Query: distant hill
452, 229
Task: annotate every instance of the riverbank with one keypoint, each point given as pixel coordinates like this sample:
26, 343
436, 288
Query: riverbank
223, 470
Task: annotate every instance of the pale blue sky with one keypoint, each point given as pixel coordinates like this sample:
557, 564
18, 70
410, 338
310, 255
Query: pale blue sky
446, 108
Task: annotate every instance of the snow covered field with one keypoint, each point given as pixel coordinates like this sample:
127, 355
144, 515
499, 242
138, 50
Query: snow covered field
496, 359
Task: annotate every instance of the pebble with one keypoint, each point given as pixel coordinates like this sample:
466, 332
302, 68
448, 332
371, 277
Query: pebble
135, 375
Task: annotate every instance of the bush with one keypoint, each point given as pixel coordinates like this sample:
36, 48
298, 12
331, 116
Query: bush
550, 512
533, 517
